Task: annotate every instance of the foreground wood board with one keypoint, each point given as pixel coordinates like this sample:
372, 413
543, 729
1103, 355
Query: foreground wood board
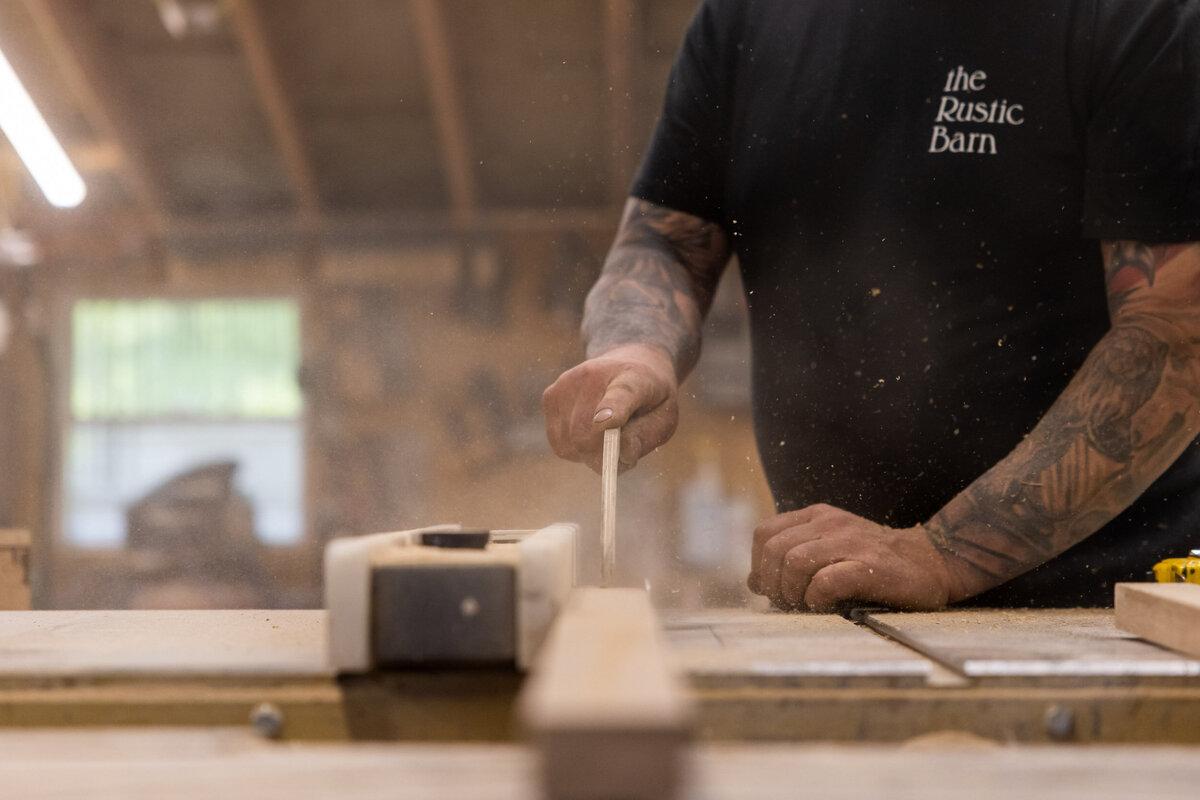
157, 644
603, 705
138, 668
1072, 647
727, 648
193, 764
1164, 613
1029, 676
753, 676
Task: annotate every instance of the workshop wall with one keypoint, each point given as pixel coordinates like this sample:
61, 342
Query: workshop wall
422, 370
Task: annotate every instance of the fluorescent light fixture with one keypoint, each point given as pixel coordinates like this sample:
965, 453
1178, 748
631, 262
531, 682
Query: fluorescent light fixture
35, 144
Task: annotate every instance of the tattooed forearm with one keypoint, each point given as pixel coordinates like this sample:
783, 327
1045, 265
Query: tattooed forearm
1069, 476
657, 284
1127, 414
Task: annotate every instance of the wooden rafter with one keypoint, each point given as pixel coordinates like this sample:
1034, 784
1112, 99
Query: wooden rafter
446, 99
88, 235
618, 74
86, 64
246, 18
375, 224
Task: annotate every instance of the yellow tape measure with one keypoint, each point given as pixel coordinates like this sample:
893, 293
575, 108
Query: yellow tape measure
1179, 570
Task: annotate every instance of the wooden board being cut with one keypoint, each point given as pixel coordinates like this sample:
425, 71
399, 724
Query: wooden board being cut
1164, 613
160, 644
741, 647
1077, 646
603, 704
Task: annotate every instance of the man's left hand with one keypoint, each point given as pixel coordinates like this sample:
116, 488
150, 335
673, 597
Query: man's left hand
822, 558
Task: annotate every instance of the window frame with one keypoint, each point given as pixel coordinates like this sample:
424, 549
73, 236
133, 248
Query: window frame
297, 566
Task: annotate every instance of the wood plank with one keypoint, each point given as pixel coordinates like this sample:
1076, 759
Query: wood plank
604, 706
1020, 712
14, 569
1075, 646
608, 504
145, 668
740, 647
159, 644
969, 769
755, 675
312, 710
1164, 613
195, 764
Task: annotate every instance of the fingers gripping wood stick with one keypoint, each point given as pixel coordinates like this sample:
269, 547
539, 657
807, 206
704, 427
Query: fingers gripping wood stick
608, 486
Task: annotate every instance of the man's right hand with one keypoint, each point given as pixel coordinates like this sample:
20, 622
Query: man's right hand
632, 387
641, 326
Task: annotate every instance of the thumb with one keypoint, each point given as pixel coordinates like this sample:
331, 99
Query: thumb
840, 584
623, 397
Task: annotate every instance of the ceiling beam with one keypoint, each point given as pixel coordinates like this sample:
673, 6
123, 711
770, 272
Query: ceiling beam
618, 74
88, 236
96, 225
413, 224
247, 20
87, 65
446, 99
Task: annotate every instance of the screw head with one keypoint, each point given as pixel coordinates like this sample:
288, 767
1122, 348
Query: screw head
1059, 723
267, 720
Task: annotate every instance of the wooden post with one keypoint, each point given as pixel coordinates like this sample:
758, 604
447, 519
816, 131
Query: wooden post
14, 570
1167, 614
603, 707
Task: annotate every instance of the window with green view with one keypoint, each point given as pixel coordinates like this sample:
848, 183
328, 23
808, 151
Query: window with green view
162, 386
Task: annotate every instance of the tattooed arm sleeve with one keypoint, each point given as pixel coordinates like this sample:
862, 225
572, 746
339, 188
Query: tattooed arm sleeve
1124, 418
657, 284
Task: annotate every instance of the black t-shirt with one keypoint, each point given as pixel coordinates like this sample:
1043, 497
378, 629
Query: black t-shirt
915, 192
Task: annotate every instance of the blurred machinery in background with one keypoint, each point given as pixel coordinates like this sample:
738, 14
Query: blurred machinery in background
193, 544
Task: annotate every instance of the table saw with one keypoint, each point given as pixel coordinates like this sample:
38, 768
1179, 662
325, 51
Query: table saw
917, 695
757, 675
422, 660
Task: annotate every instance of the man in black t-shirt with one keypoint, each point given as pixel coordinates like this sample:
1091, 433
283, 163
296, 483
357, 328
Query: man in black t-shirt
967, 233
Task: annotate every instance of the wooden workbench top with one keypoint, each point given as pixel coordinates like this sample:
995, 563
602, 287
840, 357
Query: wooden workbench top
1013, 675
158, 644
729, 647
1078, 644
202, 764
722, 646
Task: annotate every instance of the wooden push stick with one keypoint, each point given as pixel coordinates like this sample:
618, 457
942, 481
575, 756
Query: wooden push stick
608, 487
14, 570
1164, 613
603, 706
